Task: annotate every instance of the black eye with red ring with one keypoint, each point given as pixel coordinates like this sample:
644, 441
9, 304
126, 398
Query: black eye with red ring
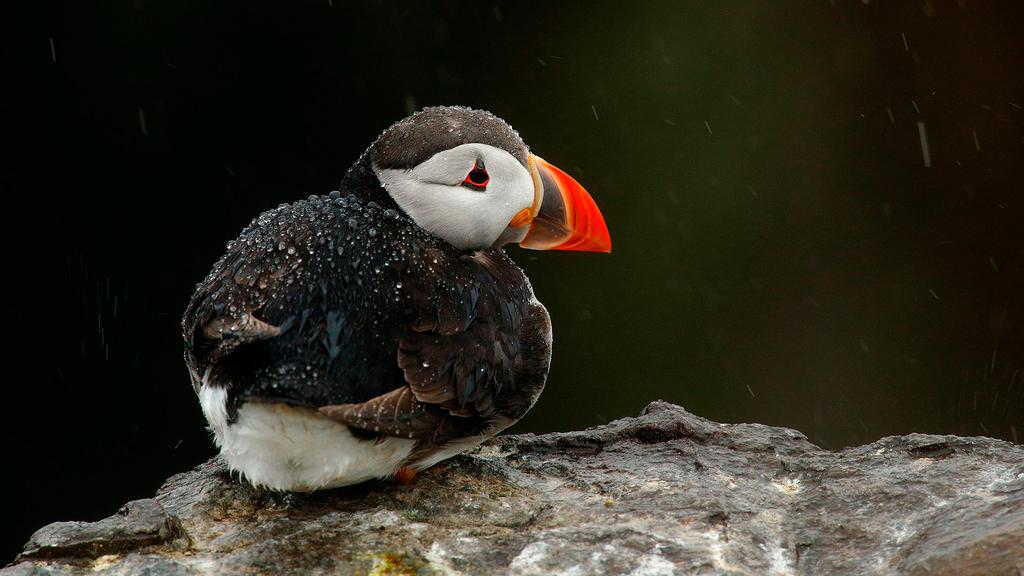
477, 178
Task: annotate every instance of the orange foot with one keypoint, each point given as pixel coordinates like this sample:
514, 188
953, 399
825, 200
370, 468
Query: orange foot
405, 475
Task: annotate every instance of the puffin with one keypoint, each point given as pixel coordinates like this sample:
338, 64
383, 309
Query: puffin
377, 330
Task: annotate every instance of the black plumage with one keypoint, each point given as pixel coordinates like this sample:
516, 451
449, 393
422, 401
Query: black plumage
342, 303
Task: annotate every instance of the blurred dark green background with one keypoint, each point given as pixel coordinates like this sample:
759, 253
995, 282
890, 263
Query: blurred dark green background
782, 252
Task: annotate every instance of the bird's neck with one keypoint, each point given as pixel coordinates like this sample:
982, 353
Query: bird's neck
361, 181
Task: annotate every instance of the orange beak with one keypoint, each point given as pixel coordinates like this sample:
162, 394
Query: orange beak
563, 216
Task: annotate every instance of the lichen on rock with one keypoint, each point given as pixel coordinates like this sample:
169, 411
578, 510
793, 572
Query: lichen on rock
664, 493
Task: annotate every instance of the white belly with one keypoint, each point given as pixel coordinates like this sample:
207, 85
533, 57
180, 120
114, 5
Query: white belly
284, 447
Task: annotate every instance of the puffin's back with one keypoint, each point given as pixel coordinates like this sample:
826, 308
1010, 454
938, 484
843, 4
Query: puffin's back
309, 302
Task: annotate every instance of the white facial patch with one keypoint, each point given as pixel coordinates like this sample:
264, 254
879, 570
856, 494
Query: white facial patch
432, 194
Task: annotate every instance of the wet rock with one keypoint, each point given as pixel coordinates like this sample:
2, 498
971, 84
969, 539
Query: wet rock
137, 524
664, 493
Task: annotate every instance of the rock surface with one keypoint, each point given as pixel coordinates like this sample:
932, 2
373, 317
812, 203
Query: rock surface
665, 493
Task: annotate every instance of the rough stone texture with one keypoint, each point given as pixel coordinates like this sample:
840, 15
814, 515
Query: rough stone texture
664, 493
138, 523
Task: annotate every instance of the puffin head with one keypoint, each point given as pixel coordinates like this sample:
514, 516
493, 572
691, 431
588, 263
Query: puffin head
466, 176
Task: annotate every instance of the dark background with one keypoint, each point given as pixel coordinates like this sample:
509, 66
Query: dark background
782, 253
